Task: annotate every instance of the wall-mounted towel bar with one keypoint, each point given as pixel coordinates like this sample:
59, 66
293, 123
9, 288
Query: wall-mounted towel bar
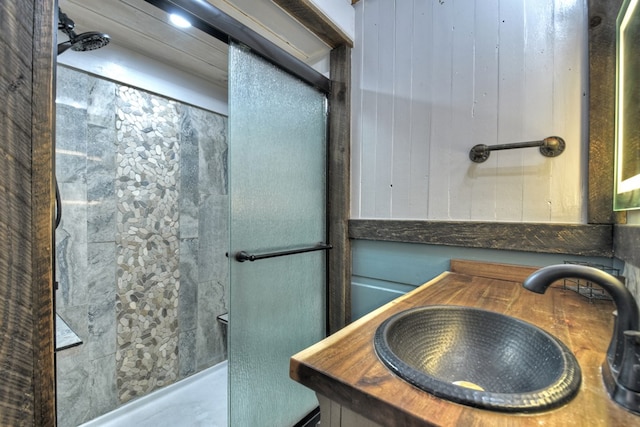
549, 147
243, 256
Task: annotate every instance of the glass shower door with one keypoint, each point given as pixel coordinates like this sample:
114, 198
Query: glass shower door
277, 175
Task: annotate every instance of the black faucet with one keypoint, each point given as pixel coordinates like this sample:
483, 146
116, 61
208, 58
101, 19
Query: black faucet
621, 368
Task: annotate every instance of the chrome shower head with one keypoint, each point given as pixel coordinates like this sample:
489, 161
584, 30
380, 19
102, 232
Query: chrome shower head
79, 42
89, 41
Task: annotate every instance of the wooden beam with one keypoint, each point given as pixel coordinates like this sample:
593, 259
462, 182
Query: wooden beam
339, 283
602, 96
585, 240
626, 243
42, 210
16, 277
308, 14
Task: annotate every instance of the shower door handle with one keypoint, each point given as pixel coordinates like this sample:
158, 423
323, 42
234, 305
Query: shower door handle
243, 256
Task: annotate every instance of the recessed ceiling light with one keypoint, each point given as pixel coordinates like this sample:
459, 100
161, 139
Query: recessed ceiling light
179, 21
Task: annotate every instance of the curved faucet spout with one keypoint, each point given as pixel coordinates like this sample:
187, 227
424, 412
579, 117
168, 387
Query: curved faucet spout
627, 319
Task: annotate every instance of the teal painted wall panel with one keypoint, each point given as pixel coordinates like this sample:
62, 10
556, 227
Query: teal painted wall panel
368, 294
382, 271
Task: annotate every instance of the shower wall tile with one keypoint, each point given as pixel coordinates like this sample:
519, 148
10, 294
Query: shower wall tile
101, 278
211, 345
71, 241
89, 385
101, 274
101, 161
101, 198
72, 88
212, 131
104, 396
187, 353
208, 132
188, 295
214, 238
101, 209
71, 144
101, 99
73, 382
101, 338
189, 175
101, 148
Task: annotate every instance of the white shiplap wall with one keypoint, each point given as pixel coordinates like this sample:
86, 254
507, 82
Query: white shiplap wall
432, 78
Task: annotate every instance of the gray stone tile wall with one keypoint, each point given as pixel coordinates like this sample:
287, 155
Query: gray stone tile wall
140, 250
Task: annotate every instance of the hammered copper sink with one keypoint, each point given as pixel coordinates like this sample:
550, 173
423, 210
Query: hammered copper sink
478, 358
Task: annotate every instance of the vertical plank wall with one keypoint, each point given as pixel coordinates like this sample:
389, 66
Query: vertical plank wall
431, 79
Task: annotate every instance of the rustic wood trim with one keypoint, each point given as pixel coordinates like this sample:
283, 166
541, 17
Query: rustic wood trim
602, 85
602, 96
17, 353
574, 239
339, 283
626, 243
508, 272
16, 343
311, 17
42, 210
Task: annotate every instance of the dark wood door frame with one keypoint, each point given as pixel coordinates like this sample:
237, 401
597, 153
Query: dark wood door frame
27, 367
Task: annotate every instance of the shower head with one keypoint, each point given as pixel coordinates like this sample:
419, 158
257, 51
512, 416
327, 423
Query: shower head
89, 41
84, 42
79, 42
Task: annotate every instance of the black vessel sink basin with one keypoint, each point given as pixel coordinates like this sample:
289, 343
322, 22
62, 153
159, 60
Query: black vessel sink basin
478, 358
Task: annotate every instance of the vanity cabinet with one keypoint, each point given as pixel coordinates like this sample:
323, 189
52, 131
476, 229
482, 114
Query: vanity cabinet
335, 415
356, 390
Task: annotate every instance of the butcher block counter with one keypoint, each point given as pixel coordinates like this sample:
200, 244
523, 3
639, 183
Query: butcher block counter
355, 389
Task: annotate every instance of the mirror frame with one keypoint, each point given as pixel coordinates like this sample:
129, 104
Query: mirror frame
627, 133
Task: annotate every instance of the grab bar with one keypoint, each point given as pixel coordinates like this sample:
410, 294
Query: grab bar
243, 256
549, 147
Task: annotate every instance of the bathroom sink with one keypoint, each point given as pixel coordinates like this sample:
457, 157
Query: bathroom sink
478, 358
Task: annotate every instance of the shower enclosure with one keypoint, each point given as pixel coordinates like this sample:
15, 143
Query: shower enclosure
141, 242
162, 308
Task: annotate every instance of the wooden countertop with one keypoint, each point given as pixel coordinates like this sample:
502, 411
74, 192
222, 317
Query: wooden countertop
345, 368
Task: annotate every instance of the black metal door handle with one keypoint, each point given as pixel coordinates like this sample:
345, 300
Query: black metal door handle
243, 256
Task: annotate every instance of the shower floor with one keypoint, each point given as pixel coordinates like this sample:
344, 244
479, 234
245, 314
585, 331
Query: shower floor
197, 401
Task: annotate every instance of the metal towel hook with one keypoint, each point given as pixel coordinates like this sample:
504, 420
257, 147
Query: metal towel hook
549, 147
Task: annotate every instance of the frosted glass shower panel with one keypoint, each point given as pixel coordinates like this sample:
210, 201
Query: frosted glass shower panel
277, 164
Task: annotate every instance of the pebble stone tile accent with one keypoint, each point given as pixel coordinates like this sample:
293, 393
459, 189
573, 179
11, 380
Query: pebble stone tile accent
147, 241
